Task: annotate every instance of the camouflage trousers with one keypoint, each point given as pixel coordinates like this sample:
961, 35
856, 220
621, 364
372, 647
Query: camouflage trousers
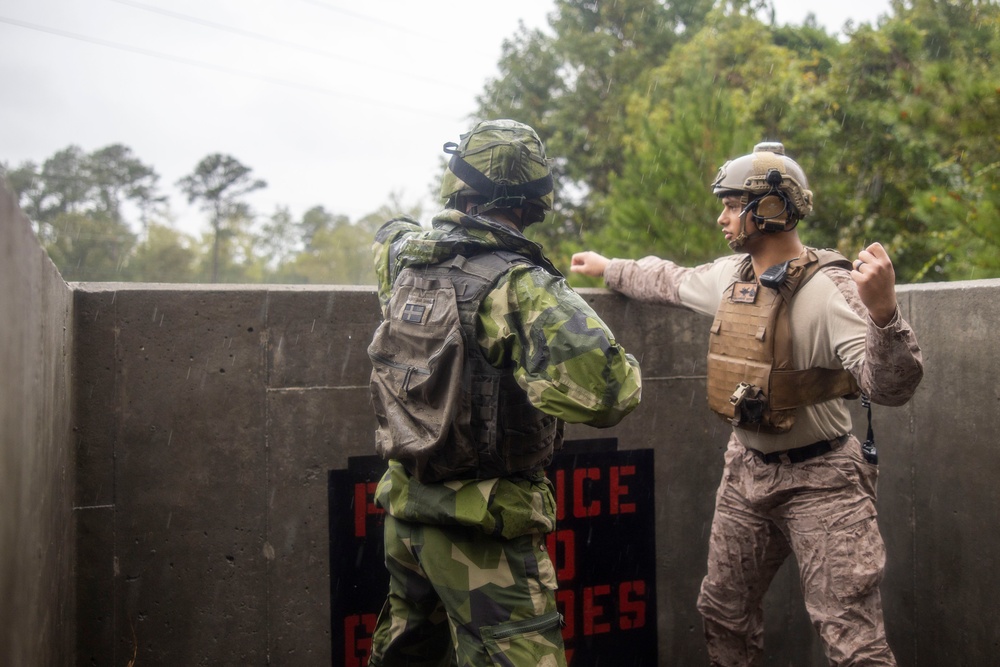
823, 511
460, 597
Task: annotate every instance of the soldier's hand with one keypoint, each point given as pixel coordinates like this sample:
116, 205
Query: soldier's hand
589, 263
876, 282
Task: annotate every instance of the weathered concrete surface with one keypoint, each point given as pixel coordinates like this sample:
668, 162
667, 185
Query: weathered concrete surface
940, 505
213, 417
36, 451
219, 411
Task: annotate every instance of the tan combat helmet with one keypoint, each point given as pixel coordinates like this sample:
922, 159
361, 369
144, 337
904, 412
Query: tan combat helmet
502, 163
772, 188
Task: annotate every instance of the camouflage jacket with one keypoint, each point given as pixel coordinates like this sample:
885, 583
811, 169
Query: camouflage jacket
579, 375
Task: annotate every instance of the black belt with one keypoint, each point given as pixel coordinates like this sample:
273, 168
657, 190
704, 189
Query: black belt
800, 454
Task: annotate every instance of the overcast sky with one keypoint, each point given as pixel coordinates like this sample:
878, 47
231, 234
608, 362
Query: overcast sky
331, 102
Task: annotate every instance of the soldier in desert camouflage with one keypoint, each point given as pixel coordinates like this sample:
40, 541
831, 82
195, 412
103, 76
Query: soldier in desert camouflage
795, 332
484, 352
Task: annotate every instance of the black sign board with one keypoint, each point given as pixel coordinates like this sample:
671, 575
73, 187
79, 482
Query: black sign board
604, 552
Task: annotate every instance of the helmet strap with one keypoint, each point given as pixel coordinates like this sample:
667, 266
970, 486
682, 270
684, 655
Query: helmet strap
499, 195
741, 239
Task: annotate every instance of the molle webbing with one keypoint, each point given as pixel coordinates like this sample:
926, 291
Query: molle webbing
740, 347
751, 343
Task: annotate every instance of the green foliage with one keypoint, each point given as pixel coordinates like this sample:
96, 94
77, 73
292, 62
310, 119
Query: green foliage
89, 247
76, 203
573, 86
708, 102
659, 203
80, 204
219, 182
117, 176
913, 120
896, 126
338, 255
165, 255
280, 239
639, 102
961, 225
23, 181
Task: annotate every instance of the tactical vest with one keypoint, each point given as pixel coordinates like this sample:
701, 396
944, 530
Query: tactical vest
443, 410
752, 382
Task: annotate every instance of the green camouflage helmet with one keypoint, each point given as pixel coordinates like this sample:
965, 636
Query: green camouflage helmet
501, 160
763, 172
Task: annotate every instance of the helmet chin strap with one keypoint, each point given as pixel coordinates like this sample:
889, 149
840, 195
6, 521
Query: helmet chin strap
740, 240
736, 245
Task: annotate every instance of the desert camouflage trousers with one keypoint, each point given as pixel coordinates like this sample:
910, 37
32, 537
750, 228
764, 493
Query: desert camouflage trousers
460, 597
823, 511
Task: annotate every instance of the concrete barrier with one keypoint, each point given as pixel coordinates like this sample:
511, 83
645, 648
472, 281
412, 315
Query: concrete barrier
37, 543
208, 419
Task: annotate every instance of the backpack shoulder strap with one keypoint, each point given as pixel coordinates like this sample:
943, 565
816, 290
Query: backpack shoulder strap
487, 267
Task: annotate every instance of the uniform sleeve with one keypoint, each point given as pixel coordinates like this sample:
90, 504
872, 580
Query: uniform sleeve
661, 281
890, 365
387, 238
563, 354
648, 279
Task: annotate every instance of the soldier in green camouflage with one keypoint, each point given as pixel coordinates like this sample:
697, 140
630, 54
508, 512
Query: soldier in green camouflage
467, 501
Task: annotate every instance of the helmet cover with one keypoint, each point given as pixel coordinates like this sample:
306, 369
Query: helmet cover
501, 160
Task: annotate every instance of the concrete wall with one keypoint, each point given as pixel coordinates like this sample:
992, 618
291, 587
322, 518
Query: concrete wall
36, 451
209, 417
212, 417
165, 452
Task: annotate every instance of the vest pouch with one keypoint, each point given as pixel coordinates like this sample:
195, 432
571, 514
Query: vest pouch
419, 391
748, 404
752, 382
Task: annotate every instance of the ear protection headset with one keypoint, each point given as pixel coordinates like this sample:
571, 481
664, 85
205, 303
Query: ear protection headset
770, 211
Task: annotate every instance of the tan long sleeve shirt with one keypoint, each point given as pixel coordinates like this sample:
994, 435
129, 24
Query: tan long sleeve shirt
830, 328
